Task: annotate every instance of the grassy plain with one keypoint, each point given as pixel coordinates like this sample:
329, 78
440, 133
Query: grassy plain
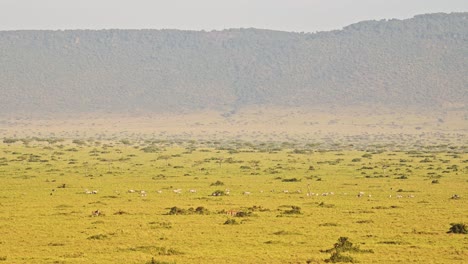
46, 214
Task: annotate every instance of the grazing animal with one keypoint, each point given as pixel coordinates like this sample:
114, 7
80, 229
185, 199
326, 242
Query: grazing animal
131, 191
193, 191
177, 191
455, 196
96, 213
360, 194
159, 191
246, 193
231, 213
216, 194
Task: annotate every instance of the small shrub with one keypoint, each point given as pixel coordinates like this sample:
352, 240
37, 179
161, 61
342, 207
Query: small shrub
191, 211
291, 180
243, 214
435, 181
201, 210
231, 222
259, 208
365, 222
328, 224
150, 149
167, 251
282, 232
322, 204
166, 225
338, 257
294, 210
458, 228
79, 142
153, 261
9, 140
343, 245
176, 211
217, 183
98, 237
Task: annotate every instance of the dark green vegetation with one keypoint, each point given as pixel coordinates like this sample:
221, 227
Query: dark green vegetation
458, 228
344, 245
415, 62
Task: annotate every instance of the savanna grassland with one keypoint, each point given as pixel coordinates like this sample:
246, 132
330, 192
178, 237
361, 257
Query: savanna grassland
233, 201
236, 146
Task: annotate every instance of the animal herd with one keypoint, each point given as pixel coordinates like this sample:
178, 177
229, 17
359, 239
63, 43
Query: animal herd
143, 193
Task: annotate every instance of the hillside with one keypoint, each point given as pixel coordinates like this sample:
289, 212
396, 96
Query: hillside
419, 62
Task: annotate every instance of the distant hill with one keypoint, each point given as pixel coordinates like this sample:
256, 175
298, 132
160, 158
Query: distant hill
418, 62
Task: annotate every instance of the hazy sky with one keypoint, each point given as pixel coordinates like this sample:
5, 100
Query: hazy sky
288, 15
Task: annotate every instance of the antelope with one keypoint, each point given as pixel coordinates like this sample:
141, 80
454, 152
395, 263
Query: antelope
96, 213
231, 213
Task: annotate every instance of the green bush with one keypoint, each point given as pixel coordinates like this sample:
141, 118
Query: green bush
291, 180
98, 237
153, 261
458, 228
177, 211
217, 183
231, 222
150, 149
338, 257
343, 245
191, 211
9, 140
294, 210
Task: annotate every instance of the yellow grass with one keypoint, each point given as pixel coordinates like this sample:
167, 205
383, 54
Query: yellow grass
43, 223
